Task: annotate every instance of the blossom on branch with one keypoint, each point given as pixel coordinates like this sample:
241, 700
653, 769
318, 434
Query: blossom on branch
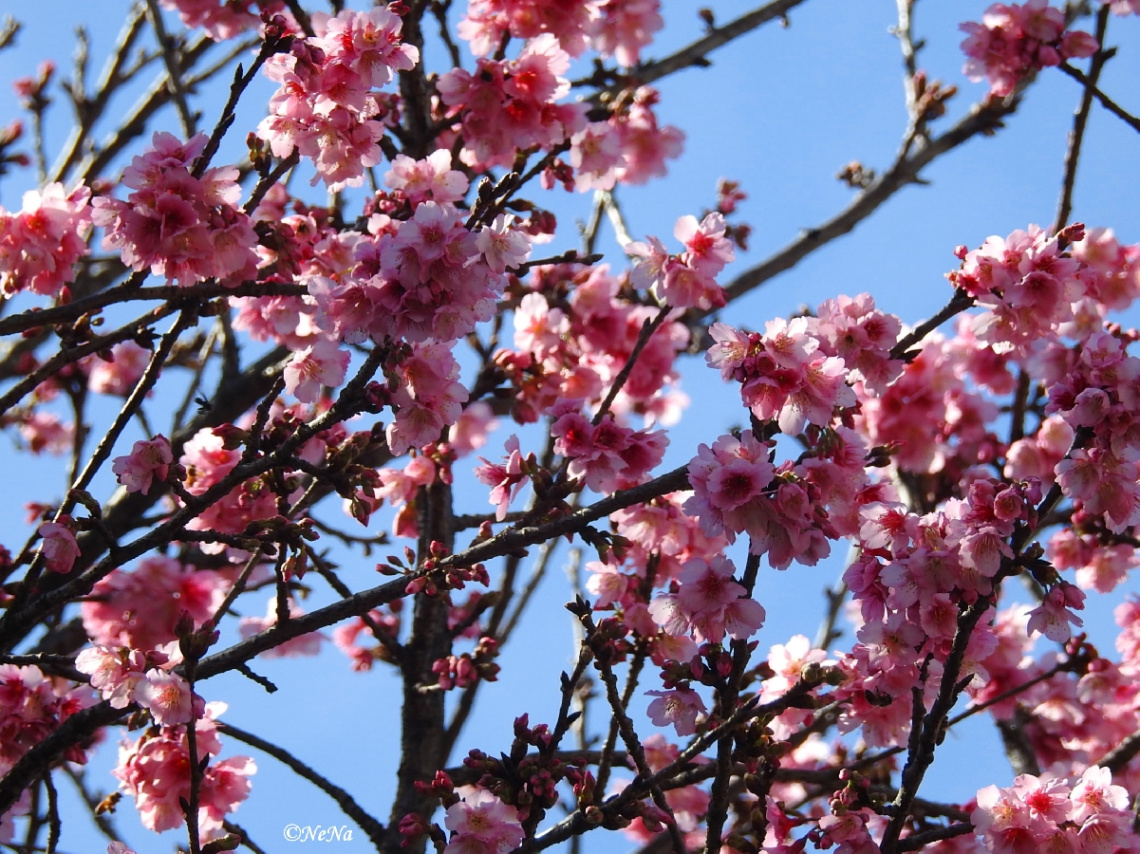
1014, 40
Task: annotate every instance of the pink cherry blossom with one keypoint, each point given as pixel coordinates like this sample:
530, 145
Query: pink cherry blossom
40, 245
1012, 41
119, 375
427, 398
681, 707
59, 548
148, 461
221, 21
511, 104
429, 179
322, 364
154, 770
167, 696
1053, 616
174, 224
506, 480
115, 674
480, 823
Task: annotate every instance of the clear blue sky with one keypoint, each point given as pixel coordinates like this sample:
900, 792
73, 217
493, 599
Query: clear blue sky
781, 111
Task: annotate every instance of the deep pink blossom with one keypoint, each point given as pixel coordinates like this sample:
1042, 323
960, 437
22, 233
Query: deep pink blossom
121, 373
222, 20
182, 227
427, 398
1013, 41
508, 105
506, 479
40, 244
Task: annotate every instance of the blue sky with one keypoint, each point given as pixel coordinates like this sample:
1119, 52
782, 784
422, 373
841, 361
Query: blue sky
781, 111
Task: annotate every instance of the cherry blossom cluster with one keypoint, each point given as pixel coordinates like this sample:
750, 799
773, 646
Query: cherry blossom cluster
207, 458
932, 418
793, 374
1014, 41
510, 105
325, 108
155, 771
688, 805
1076, 717
222, 19
909, 579
789, 511
482, 824
1088, 813
41, 243
619, 28
687, 280
629, 147
119, 371
657, 535
32, 706
1033, 289
708, 604
578, 353
123, 676
425, 394
296, 246
176, 224
427, 277
148, 463
606, 456
1098, 395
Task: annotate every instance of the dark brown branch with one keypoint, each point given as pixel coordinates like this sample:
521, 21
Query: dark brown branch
982, 118
423, 733
958, 303
933, 724
918, 840
1080, 122
168, 48
514, 539
696, 54
69, 355
1106, 102
1117, 758
649, 327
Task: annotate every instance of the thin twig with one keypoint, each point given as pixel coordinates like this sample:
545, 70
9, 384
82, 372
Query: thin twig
169, 51
1106, 102
344, 800
1080, 122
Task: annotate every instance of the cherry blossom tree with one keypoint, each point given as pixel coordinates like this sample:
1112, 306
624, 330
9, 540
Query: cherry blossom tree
325, 372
